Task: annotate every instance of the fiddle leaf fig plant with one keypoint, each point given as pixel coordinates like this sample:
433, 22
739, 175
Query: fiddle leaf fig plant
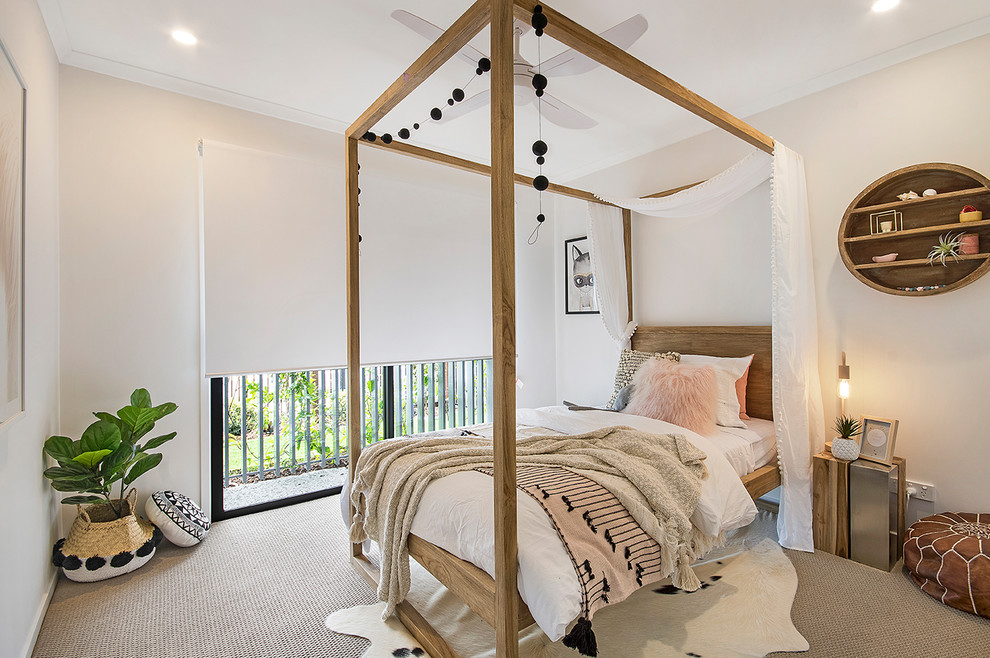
109, 450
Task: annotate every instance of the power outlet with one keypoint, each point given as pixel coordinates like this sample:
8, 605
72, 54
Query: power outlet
920, 491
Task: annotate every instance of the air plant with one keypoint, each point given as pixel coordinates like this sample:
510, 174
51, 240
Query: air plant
948, 246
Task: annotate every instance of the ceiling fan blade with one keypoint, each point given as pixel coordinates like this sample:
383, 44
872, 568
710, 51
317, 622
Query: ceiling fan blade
432, 32
571, 62
467, 105
564, 115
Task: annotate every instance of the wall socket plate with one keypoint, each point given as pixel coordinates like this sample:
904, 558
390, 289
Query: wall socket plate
922, 491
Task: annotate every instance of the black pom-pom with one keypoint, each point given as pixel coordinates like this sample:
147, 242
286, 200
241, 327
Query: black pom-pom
582, 638
370, 136
436, 114
415, 126
404, 133
541, 218
94, 563
121, 558
540, 160
541, 183
539, 32
539, 81
538, 9
485, 64
539, 21
359, 239
450, 101
387, 138
539, 147
539, 92
478, 71
57, 557
458, 95
71, 563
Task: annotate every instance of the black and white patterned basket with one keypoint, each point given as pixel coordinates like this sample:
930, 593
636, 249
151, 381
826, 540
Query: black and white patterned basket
180, 519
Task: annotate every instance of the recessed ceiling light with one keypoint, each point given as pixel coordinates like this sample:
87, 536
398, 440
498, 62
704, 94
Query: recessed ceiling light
884, 5
184, 37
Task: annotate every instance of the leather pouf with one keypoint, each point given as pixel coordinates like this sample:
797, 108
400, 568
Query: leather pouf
180, 519
947, 555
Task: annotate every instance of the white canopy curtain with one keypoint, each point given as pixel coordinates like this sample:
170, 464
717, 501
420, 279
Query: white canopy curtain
797, 400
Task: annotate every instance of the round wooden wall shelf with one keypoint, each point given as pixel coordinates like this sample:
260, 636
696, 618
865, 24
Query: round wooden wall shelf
915, 227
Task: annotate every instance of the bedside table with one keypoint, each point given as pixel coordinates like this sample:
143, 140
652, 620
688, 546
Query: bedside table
858, 509
830, 504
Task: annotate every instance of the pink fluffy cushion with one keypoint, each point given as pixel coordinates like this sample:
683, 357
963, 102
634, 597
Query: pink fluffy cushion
677, 393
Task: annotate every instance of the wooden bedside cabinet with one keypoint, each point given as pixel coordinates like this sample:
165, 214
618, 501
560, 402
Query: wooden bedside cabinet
830, 504
875, 534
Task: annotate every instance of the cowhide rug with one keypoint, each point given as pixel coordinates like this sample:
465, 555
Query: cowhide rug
742, 609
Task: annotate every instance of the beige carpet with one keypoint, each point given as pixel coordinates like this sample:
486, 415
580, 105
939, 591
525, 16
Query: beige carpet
262, 586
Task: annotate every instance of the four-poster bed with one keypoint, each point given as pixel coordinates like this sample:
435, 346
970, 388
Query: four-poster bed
497, 600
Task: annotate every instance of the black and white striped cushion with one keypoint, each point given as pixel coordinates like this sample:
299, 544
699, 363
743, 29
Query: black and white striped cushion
180, 519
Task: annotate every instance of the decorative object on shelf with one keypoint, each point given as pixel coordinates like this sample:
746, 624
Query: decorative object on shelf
102, 544
886, 258
970, 214
579, 280
947, 247
107, 452
12, 103
844, 446
929, 192
885, 222
907, 196
877, 439
969, 244
920, 288
180, 519
843, 383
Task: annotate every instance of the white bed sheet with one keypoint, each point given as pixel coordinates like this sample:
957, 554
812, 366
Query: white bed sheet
749, 448
456, 513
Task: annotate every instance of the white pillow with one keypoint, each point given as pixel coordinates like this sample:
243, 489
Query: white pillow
728, 370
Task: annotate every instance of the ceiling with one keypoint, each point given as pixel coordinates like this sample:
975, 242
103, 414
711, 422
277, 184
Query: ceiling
321, 62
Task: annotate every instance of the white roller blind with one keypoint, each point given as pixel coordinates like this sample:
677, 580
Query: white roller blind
273, 267
274, 271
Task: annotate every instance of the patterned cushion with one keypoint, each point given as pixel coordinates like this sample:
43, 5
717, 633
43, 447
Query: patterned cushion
947, 555
629, 363
179, 518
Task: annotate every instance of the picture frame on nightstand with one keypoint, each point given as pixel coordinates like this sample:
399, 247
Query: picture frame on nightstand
877, 439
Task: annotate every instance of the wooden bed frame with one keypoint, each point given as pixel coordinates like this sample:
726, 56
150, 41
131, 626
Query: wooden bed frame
496, 600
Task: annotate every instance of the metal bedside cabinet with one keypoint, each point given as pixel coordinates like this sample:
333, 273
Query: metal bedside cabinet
877, 497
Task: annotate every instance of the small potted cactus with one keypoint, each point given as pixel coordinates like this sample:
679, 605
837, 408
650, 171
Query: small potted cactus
845, 446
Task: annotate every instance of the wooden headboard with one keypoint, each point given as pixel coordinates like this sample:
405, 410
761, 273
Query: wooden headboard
720, 341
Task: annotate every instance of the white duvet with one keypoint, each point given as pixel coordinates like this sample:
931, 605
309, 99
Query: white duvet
456, 513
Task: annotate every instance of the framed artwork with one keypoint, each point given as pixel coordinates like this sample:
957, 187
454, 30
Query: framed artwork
579, 279
877, 439
12, 96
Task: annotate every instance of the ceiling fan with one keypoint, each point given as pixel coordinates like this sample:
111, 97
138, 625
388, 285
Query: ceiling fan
569, 62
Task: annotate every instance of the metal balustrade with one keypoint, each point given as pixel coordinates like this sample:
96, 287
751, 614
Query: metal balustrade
278, 424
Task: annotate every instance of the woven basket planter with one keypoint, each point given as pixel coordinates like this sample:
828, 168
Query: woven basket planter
101, 546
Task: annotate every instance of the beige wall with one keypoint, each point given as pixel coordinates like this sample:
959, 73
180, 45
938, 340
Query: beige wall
29, 510
922, 360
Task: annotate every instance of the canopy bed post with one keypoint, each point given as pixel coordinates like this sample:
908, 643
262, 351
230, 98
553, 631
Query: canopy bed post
354, 430
504, 330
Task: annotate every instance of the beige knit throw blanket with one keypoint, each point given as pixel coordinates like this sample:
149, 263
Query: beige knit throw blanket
657, 477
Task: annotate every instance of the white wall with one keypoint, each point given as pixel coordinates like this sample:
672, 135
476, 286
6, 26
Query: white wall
130, 282
924, 360
30, 512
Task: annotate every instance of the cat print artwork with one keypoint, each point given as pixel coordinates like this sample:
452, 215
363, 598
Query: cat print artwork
579, 284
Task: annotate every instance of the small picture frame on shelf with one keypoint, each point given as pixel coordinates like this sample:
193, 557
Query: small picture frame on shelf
887, 221
877, 439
